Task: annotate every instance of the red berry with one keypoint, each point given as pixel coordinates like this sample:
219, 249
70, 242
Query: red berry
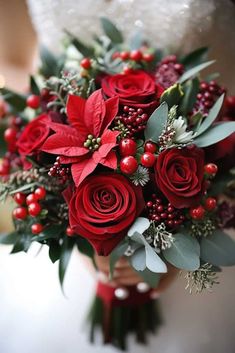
128, 165
85, 63
33, 101
69, 231
4, 169
211, 168
34, 209
31, 198
148, 57
20, 213
10, 135
136, 55
3, 108
127, 147
210, 203
127, 70
20, 198
124, 55
36, 228
147, 159
197, 213
40, 193
150, 147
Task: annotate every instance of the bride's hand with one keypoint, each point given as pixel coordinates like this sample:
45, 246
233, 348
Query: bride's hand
125, 275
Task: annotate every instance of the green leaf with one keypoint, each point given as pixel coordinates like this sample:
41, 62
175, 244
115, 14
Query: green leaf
23, 188
15, 100
66, 252
111, 31
151, 278
153, 262
22, 243
184, 252
172, 95
8, 239
3, 145
53, 231
194, 71
156, 123
215, 134
51, 65
80, 46
139, 226
116, 254
194, 58
138, 259
54, 251
33, 86
213, 113
218, 249
84, 246
190, 89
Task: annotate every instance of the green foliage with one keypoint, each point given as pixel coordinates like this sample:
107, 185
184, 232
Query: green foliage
80, 46
156, 123
54, 250
9, 239
22, 243
66, 252
50, 232
195, 71
151, 278
50, 64
194, 58
116, 254
190, 89
218, 249
84, 246
16, 101
111, 31
215, 134
172, 95
34, 86
184, 252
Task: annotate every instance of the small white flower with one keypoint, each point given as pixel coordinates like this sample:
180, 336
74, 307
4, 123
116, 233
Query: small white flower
181, 133
140, 177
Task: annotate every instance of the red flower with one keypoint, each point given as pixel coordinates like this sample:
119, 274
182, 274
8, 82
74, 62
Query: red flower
34, 135
103, 208
137, 89
88, 142
179, 175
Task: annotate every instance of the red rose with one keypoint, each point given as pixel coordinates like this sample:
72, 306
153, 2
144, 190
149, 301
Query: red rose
179, 175
33, 136
102, 209
137, 89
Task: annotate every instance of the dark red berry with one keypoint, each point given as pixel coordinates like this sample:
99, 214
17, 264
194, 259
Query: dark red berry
127, 70
211, 169
85, 63
69, 231
127, 147
34, 209
40, 193
33, 101
197, 213
150, 147
136, 55
147, 159
10, 135
128, 165
20, 198
148, 57
124, 55
36, 228
20, 213
210, 204
31, 198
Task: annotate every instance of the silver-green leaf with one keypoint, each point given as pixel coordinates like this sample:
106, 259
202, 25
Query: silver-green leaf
216, 133
156, 123
194, 71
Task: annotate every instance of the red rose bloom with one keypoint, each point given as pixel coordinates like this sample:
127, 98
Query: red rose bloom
179, 175
102, 209
34, 135
137, 89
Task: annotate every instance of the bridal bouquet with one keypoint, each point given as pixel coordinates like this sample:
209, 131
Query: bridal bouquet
122, 150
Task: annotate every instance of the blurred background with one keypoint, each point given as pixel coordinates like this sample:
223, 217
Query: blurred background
35, 316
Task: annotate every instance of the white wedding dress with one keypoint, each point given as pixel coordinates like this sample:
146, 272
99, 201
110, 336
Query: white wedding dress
35, 317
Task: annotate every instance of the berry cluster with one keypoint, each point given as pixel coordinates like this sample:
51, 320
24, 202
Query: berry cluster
208, 94
162, 212
134, 119
168, 71
29, 205
59, 171
134, 55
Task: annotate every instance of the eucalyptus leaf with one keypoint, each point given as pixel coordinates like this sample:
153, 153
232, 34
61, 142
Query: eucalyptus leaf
116, 254
191, 89
156, 123
213, 113
218, 249
153, 262
172, 95
216, 133
138, 259
151, 278
8, 239
111, 31
194, 71
140, 225
195, 58
184, 252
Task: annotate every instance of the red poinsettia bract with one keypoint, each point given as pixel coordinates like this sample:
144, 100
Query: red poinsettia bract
88, 141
